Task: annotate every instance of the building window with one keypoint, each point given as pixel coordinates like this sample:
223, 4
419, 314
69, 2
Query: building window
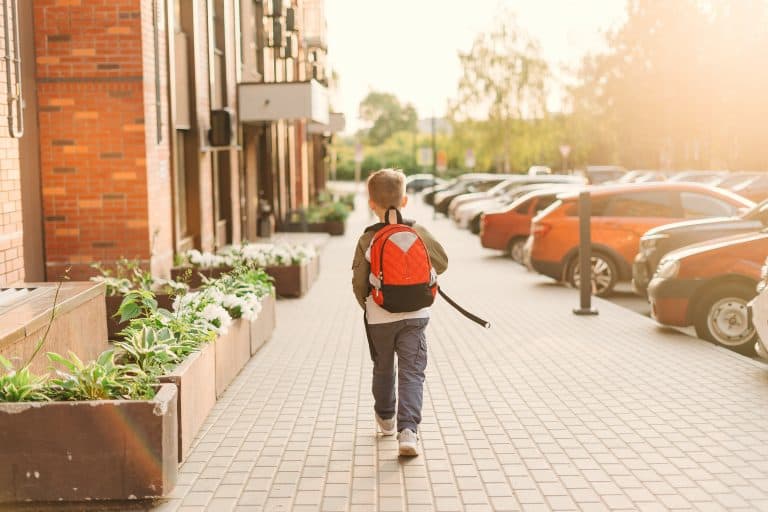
158, 89
181, 185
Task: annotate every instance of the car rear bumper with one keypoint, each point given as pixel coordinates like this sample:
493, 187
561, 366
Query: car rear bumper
671, 300
491, 241
553, 269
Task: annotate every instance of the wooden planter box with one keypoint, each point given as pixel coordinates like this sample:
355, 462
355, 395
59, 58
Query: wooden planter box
79, 325
113, 302
233, 350
262, 328
292, 281
335, 228
95, 450
195, 381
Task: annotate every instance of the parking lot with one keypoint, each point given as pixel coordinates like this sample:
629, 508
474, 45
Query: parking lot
683, 248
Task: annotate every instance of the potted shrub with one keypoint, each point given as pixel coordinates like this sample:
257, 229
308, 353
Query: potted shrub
335, 218
128, 276
292, 266
97, 431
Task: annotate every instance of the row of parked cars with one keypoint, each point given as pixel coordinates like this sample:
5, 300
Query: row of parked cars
693, 248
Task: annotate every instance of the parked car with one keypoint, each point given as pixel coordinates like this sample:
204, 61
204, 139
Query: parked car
621, 214
758, 313
735, 179
703, 177
429, 193
474, 216
538, 170
659, 241
708, 286
641, 176
508, 229
418, 182
464, 208
600, 174
477, 183
755, 189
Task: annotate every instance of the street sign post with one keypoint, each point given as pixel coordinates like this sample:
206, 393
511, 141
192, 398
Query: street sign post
565, 151
359, 157
424, 157
442, 161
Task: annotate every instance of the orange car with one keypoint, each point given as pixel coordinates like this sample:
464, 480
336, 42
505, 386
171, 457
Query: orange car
621, 214
507, 229
708, 286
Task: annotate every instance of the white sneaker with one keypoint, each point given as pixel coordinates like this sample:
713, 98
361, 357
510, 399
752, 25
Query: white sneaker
387, 427
409, 442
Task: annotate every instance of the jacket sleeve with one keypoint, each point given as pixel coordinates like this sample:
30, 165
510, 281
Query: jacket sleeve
436, 252
360, 271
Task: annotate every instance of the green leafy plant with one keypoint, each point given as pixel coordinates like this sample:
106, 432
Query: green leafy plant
21, 385
102, 379
336, 212
141, 310
136, 303
153, 350
129, 275
328, 212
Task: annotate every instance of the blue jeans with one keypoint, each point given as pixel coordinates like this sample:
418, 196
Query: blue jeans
408, 340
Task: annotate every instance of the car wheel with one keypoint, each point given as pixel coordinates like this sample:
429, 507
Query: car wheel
515, 249
721, 317
474, 224
605, 274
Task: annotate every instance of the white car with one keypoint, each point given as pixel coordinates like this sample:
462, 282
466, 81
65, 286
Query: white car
758, 313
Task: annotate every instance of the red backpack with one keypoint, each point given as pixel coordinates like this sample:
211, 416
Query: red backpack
402, 278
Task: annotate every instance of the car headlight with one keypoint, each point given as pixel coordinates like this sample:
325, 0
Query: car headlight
764, 272
649, 243
668, 269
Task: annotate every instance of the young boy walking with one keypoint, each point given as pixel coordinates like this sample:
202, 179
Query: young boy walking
390, 333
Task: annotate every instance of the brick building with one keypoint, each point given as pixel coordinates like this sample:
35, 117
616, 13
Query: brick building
11, 234
135, 143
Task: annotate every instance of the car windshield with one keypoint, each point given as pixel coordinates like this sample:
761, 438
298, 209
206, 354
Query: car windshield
691, 177
736, 180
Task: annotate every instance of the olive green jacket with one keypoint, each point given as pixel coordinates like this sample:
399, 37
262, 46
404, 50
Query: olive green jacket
361, 268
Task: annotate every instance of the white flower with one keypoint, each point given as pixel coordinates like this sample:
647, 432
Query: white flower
205, 259
217, 316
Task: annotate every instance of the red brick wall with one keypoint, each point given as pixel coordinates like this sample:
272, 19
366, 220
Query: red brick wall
99, 157
11, 252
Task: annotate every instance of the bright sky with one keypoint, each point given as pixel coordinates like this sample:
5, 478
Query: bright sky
410, 47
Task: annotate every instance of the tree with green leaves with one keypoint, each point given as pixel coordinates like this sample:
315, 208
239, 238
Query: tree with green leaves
503, 85
387, 116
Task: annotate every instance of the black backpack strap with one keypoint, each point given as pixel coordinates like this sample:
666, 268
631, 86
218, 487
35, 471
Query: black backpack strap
474, 318
376, 227
397, 213
371, 347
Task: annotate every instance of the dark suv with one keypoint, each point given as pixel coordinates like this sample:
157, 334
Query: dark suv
660, 240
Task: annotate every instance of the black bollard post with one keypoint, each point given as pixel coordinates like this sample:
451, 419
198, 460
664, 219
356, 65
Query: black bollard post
585, 256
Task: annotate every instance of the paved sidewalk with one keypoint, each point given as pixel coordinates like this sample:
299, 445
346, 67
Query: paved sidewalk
545, 411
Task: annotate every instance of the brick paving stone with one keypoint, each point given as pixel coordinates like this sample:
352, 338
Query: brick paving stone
544, 411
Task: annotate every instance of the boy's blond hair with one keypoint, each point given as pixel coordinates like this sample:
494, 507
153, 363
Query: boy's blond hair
386, 188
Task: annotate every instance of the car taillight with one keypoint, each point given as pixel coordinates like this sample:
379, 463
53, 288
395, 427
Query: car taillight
540, 229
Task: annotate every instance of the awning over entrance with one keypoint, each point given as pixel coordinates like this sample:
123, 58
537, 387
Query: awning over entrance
276, 101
